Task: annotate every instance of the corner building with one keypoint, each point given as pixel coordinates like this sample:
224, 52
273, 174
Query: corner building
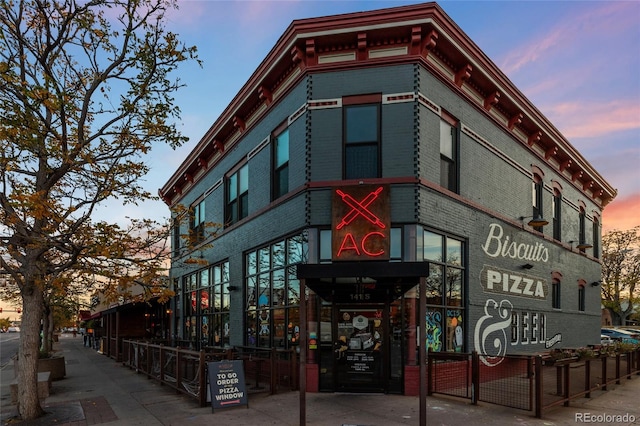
381, 163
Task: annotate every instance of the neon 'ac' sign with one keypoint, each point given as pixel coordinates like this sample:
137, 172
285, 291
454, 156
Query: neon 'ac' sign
360, 217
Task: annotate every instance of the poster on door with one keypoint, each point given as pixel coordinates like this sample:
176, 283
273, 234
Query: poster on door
360, 362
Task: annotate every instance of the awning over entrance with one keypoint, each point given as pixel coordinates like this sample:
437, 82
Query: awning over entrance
87, 315
381, 281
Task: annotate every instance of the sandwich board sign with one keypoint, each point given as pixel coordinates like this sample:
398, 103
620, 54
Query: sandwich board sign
226, 384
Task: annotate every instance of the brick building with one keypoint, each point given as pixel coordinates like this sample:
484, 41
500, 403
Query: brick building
383, 162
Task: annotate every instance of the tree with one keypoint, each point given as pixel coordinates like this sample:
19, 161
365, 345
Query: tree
621, 273
85, 91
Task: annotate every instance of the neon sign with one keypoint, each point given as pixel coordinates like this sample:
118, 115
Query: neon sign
360, 218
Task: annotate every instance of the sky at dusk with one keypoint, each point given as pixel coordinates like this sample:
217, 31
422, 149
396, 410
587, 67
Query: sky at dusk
578, 62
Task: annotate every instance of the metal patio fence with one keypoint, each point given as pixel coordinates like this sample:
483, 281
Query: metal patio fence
266, 370
527, 382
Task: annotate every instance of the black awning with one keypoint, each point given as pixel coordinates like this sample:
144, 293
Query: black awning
379, 271
373, 282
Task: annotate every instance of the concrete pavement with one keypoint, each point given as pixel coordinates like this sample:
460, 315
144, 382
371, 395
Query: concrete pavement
98, 390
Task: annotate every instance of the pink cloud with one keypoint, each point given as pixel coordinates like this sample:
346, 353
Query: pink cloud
592, 119
622, 214
611, 18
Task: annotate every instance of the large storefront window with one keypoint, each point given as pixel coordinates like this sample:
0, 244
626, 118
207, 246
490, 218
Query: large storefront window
445, 293
273, 293
205, 306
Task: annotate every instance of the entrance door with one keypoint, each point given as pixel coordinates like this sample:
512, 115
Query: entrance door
360, 350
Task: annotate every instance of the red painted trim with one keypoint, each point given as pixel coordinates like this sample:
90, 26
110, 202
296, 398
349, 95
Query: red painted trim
538, 174
362, 99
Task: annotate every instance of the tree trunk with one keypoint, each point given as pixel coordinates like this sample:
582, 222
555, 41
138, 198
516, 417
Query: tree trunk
47, 336
50, 330
28, 402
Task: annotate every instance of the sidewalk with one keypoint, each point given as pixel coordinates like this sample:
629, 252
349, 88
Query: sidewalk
97, 390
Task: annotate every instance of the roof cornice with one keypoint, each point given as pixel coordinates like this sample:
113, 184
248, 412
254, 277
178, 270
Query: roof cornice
428, 36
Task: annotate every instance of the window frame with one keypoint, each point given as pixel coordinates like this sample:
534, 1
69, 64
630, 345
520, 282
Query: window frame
176, 238
443, 267
197, 220
557, 216
280, 167
596, 237
581, 298
280, 307
195, 316
537, 199
235, 207
351, 103
556, 294
452, 161
582, 232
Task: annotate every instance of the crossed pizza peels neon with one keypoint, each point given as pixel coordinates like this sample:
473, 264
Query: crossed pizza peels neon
360, 208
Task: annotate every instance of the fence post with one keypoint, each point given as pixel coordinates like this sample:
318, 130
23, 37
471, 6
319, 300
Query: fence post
274, 372
178, 371
475, 378
604, 373
531, 380
149, 362
617, 369
429, 375
587, 378
202, 379
162, 357
538, 384
567, 384
629, 361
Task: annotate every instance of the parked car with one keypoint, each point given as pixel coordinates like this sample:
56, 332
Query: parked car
606, 340
634, 332
620, 335
13, 329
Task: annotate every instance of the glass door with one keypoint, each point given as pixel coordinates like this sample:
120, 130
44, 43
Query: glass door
361, 349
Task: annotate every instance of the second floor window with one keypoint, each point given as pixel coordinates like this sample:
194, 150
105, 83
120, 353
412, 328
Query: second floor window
537, 190
197, 223
557, 217
176, 237
582, 237
449, 153
596, 237
237, 191
281, 164
362, 141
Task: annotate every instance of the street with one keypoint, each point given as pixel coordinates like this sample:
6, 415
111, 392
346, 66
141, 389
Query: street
8, 347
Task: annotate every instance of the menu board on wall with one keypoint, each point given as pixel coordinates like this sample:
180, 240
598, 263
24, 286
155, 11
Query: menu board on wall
226, 384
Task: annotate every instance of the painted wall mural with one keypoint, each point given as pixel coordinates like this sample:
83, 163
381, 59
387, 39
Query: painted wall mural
490, 336
499, 245
501, 281
434, 330
502, 326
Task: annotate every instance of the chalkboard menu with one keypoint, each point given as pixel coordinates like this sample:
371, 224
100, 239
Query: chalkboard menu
227, 385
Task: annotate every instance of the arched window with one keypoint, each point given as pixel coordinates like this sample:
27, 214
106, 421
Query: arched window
557, 211
596, 235
556, 281
581, 294
537, 190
